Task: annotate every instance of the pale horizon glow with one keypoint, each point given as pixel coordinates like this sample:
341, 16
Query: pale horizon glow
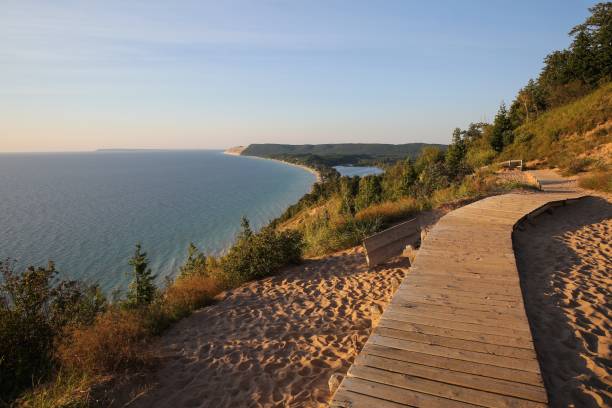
81, 76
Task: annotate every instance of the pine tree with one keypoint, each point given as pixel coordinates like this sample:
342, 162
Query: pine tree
196, 263
501, 133
246, 232
455, 155
142, 288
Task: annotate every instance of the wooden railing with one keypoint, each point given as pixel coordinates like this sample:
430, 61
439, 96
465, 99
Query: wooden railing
512, 164
391, 242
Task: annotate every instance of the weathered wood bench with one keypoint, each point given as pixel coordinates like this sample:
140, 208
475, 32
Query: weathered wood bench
391, 242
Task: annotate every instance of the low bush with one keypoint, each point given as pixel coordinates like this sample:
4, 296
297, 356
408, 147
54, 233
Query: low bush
34, 309
598, 180
256, 255
178, 300
113, 342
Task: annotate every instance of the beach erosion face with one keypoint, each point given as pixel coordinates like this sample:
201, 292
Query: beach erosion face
274, 342
565, 265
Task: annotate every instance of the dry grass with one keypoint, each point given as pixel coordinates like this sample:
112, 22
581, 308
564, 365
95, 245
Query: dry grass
115, 341
563, 134
117, 338
598, 180
390, 211
190, 293
68, 390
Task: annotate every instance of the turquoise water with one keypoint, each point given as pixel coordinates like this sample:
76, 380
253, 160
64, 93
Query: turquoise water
360, 171
85, 211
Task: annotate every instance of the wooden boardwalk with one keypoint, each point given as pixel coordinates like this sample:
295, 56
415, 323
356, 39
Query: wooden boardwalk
455, 333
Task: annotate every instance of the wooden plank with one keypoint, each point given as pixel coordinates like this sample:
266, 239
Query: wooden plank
474, 318
443, 390
474, 306
486, 370
478, 382
437, 289
464, 272
457, 312
518, 311
344, 398
466, 355
468, 327
490, 256
459, 299
507, 351
399, 395
520, 342
464, 285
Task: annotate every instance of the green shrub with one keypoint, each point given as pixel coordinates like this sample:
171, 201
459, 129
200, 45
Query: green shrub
34, 309
256, 255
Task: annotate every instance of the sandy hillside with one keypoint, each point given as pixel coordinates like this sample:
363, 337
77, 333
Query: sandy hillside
274, 342
565, 261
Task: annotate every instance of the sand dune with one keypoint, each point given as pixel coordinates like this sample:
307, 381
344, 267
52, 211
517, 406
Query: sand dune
565, 261
274, 342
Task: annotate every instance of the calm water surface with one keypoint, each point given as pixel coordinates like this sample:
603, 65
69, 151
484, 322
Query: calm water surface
86, 211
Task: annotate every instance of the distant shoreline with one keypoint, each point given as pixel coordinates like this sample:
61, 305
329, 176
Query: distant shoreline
237, 151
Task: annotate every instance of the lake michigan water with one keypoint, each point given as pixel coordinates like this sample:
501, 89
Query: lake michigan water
85, 211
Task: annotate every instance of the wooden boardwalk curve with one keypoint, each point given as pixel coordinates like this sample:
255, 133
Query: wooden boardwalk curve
455, 333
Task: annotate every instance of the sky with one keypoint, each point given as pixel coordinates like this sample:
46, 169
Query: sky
84, 75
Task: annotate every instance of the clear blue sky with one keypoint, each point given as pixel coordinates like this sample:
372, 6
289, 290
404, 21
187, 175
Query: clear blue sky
80, 75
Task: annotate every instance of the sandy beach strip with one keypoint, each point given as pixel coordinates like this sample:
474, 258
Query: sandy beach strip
237, 151
273, 342
565, 263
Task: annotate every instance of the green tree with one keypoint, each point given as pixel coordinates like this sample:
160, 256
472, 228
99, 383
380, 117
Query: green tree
501, 133
398, 180
245, 229
369, 192
571, 73
196, 263
142, 288
349, 186
528, 105
592, 45
428, 156
455, 155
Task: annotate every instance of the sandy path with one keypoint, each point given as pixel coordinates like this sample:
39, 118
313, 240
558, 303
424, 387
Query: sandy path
565, 262
274, 342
